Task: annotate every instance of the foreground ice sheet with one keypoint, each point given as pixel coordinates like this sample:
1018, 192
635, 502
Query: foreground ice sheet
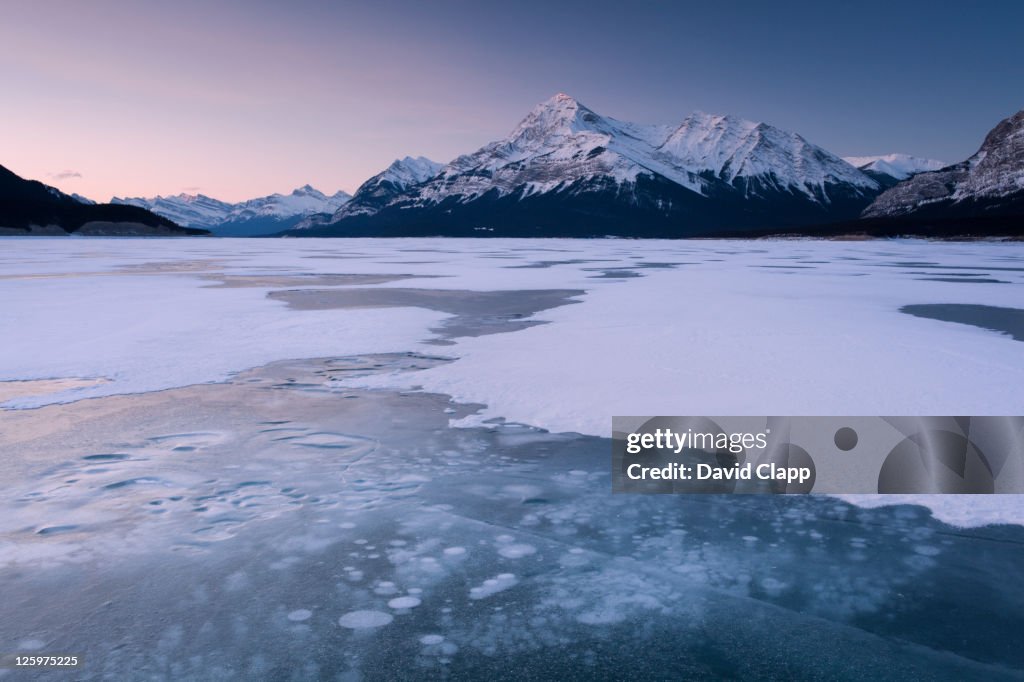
281, 527
319, 518
767, 327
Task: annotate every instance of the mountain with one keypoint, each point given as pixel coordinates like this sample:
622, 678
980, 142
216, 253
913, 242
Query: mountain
889, 169
990, 184
568, 171
28, 207
382, 188
263, 215
192, 210
378, 191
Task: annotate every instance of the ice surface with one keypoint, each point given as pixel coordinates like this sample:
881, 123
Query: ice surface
492, 586
517, 551
768, 327
195, 575
737, 337
359, 620
404, 603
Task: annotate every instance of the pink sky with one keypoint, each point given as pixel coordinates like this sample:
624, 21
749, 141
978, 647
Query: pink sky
242, 98
229, 103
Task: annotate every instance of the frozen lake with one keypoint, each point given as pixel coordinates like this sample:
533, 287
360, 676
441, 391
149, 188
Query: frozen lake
385, 458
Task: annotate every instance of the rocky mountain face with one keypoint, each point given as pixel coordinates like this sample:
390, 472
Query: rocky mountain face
28, 207
989, 183
262, 215
380, 190
566, 170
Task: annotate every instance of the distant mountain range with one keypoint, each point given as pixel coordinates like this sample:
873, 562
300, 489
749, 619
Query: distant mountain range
568, 171
982, 197
889, 169
28, 207
254, 217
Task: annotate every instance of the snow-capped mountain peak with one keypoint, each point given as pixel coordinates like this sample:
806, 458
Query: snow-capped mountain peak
562, 145
199, 210
383, 187
559, 143
730, 147
567, 169
898, 166
409, 171
189, 210
708, 142
305, 200
556, 119
565, 125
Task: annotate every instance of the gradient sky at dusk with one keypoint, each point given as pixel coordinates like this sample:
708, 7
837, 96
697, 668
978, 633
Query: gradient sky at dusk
237, 99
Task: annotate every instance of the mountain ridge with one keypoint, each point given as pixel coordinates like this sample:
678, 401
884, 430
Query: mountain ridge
251, 217
890, 169
30, 207
566, 170
989, 182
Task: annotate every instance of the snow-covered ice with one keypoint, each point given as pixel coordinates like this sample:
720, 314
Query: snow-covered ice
769, 327
261, 467
232, 509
